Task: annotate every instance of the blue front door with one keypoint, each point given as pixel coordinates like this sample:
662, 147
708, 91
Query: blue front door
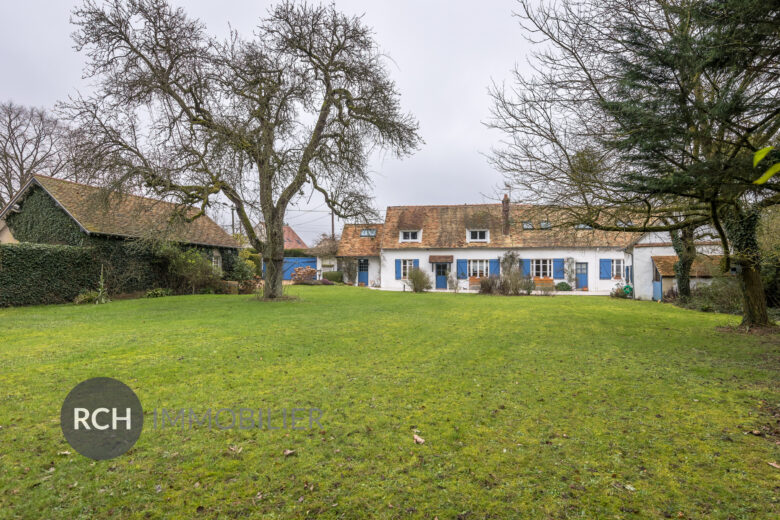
442, 270
658, 291
581, 269
363, 271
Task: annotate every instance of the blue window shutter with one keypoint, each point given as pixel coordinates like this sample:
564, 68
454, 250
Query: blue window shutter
463, 268
605, 268
397, 269
494, 267
416, 264
558, 273
526, 264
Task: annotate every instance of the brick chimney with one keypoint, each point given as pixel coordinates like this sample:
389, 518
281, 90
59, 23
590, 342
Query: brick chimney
505, 214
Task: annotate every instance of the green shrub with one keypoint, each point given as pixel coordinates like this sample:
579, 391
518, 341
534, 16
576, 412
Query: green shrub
158, 293
562, 286
333, 276
190, 270
243, 269
722, 295
418, 280
88, 296
102, 292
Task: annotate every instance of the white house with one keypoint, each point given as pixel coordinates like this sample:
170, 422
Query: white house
653, 258
469, 241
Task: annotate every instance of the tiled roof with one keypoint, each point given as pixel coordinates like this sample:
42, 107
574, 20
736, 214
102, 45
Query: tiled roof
445, 227
101, 213
352, 244
704, 266
291, 238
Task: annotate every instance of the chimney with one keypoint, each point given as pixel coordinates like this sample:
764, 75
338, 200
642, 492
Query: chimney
505, 214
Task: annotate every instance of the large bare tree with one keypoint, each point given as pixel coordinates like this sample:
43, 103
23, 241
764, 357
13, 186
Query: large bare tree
31, 141
649, 112
298, 106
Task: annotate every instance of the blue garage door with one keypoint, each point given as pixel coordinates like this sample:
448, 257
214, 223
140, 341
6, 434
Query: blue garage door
290, 263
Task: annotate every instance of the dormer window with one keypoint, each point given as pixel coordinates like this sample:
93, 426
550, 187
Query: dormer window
582, 226
368, 232
624, 223
544, 224
409, 236
527, 224
478, 235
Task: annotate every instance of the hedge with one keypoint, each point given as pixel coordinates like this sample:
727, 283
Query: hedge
333, 276
33, 274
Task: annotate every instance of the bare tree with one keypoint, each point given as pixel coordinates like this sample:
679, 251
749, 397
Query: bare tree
643, 116
31, 141
299, 106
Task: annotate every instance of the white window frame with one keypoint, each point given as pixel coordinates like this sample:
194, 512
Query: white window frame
406, 266
477, 266
542, 268
216, 259
469, 238
402, 239
545, 224
368, 232
617, 272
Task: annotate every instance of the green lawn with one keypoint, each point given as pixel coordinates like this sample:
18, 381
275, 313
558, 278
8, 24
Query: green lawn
531, 407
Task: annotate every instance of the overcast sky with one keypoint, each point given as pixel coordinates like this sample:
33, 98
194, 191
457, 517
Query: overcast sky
445, 54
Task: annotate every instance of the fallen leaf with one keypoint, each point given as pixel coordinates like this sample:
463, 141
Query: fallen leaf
236, 449
158, 488
774, 465
196, 485
300, 499
418, 439
63, 452
287, 453
630, 487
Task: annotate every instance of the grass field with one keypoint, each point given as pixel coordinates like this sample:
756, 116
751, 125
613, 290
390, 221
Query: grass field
530, 407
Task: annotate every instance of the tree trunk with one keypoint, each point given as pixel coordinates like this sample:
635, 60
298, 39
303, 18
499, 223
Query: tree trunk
273, 256
741, 228
685, 247
754, 312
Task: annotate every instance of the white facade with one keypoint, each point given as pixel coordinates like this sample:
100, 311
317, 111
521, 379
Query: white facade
657, 244
382, 270
590, 256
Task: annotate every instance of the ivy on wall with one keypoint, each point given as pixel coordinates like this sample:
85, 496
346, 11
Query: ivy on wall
32, 274
42, 221
55, 260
